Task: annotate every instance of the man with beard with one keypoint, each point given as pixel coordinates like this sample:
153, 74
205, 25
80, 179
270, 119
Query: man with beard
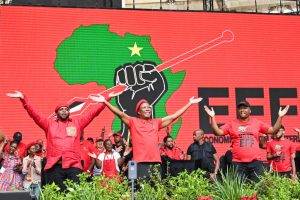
170, 151
63, 139
244, 133
281, 152
119, 144
144, 133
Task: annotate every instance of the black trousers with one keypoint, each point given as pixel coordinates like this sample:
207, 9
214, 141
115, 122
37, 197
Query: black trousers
58, 175
249, 170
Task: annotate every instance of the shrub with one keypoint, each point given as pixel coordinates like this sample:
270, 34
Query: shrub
188, 186
232, 187
153, 189
98, 188
275, 187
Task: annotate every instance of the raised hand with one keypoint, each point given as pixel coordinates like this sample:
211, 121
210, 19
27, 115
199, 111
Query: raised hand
210, 112
127, 151
119, 149
29, 163
33, 164
282, 112
16, 94
98, 98
194, 101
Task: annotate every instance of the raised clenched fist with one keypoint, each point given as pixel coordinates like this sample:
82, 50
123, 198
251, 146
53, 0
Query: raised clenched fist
143, 82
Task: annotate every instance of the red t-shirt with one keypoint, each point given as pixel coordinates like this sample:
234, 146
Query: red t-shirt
144, 138
85, 148
175, 153
286, 148
245, 138
262, 155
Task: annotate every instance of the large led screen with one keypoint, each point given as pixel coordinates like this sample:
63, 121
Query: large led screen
63, 55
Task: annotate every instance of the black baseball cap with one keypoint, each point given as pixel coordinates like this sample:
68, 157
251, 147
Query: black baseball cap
243, 103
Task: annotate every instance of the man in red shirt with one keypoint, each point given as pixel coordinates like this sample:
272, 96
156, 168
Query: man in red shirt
63, 139
87, 147
244, 133
281, 152
144, 132
170, 150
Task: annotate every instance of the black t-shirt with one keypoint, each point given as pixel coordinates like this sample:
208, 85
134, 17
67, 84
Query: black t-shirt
204, 154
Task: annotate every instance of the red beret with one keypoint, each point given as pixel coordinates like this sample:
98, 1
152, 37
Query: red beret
59, 106
138, 105
30, 145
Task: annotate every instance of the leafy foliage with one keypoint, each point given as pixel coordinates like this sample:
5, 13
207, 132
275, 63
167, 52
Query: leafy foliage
274, 187
186, 186
232, 186
98, 188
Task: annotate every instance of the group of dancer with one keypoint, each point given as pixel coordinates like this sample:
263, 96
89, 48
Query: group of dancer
64, 136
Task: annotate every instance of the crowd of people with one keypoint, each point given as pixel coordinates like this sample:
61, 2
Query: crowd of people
66, 153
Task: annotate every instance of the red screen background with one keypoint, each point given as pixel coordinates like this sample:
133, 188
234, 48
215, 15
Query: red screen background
265, 54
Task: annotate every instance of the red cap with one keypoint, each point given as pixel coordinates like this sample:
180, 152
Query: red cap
117, 134
29, 145
138, 105
59, 106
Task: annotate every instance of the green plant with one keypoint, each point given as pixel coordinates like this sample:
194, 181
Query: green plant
275, 187
188, 186
153, 189
99, 188
231, 187
51, 192
151, 192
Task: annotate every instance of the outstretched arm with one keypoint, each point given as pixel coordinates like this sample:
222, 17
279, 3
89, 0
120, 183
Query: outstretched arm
277, 125
123, 116
89, 116
38, 118
166, 121
213, 121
